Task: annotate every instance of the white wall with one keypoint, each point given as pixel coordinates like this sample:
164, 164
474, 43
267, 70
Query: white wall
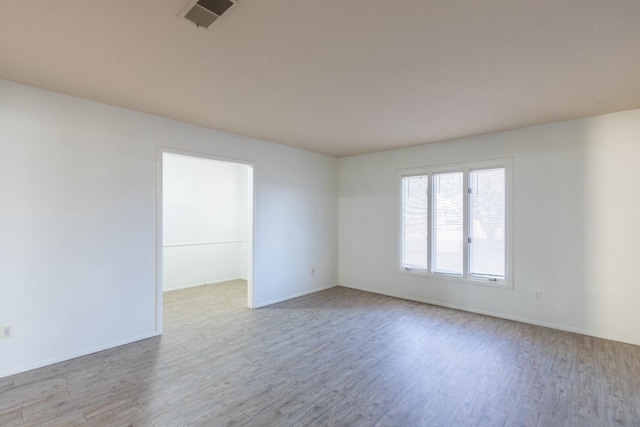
78, 221
576, 228
205, 221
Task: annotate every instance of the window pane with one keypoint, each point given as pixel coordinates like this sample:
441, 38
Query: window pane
487, 206
415, 208
448, 220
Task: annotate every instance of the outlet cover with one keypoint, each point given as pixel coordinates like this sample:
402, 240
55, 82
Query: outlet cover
5, 331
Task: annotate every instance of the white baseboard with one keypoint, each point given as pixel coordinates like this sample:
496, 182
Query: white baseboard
74, 355
301, 294
195, 285
498, 315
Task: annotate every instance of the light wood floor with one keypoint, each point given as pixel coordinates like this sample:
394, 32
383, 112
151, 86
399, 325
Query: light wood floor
335, 358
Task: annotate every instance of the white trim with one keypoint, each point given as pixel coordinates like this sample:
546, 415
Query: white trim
212, 242
159, 238
499, 315
300, 294
466, 226
205, 156
66, 358
253, 187
473, 280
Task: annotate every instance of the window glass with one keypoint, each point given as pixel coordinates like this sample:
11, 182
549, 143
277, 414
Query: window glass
448, 218
487, 223
454, 222
415, 221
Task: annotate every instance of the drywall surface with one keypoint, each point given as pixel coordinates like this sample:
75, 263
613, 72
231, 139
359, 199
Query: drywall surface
205, 221
575, 218
78, 190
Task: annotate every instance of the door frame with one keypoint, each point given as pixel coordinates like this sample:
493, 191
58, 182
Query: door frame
159, 223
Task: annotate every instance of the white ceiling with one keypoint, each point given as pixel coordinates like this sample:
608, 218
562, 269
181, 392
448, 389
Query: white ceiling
336, 77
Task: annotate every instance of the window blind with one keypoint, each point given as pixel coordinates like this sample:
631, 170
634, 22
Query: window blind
448, 222
487, 223
415, 222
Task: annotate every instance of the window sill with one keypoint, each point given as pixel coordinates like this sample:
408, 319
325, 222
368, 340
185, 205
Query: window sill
501, 284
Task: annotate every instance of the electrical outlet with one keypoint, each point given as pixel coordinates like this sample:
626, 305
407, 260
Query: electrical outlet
5, 332
537, 295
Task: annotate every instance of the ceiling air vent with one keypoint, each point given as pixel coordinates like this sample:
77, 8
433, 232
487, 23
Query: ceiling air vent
204, 12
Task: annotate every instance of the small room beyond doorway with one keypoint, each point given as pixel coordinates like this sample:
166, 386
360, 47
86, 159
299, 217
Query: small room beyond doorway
207, 222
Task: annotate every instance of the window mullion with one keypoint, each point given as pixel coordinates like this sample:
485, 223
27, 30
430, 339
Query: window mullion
466, 230
430, 227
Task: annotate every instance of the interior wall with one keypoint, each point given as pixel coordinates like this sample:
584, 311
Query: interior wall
205, 221
576, 210
78, 187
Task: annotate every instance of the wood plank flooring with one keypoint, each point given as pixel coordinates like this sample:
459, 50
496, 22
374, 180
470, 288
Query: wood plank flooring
340, 357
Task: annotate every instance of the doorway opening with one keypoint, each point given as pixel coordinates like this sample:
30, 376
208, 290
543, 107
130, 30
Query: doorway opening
205, 223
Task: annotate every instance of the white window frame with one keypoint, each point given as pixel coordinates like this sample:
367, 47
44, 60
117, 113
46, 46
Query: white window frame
466, 168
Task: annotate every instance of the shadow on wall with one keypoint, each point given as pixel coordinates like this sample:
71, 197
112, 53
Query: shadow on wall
611, 226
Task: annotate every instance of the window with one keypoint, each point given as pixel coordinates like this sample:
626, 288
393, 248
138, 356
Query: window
414, 221
487, 223
454, 222
447, 223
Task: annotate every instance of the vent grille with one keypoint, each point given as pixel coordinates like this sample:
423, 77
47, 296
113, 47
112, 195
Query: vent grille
205, 12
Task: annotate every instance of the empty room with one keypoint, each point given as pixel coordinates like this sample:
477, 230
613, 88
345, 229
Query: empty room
319, 213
